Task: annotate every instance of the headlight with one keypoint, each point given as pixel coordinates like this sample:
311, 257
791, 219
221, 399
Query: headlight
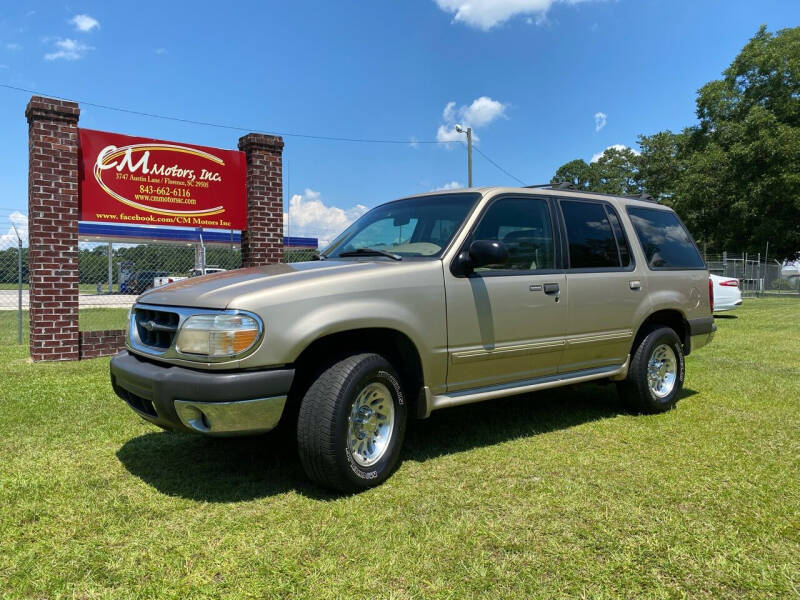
217, 336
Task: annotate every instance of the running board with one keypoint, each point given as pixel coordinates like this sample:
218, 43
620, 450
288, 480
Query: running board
524, 387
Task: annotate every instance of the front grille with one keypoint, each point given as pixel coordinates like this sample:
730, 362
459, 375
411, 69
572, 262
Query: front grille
156, 328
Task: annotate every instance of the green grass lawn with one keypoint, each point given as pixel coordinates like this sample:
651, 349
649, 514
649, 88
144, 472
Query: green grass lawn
552, 495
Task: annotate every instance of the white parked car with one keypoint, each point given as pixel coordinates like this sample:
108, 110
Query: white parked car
727, 294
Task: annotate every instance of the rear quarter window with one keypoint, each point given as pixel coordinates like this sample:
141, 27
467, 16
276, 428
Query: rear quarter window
665, 241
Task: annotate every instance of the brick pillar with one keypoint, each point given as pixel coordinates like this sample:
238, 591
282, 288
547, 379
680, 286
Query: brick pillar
262, 242
53, 156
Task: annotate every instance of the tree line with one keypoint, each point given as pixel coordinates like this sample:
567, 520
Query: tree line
734, 176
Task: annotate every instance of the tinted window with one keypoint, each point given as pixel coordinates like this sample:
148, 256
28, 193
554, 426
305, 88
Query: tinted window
591, 239
524, 227
622, 242
664, 239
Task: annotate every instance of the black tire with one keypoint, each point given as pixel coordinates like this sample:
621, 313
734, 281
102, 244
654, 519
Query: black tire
323, 421
635, 390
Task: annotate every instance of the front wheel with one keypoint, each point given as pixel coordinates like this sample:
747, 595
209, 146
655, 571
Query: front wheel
352, 423
655, 376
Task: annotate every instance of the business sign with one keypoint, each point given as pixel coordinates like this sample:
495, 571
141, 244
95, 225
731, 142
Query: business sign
140, 181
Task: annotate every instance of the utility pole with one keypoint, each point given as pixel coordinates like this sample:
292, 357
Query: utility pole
468, 131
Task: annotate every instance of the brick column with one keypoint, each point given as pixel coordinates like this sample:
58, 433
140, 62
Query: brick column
53, 156
262, 243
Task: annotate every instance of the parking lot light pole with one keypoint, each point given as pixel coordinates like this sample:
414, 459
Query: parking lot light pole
468, 131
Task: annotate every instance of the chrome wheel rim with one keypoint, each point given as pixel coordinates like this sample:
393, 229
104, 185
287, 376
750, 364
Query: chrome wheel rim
662, 371
370, 424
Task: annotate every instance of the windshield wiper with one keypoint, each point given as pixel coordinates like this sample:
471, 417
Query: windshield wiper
371, 252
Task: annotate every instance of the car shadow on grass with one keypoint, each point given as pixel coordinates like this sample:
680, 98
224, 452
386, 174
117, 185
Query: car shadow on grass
487, 423
241, 469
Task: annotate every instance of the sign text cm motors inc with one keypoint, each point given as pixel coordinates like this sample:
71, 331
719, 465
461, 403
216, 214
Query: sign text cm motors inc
142, 181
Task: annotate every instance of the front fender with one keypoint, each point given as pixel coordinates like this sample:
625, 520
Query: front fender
411, 303
355, 314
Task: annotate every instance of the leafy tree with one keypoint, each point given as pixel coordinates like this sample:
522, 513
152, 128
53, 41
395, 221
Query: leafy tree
615, 172
576, 172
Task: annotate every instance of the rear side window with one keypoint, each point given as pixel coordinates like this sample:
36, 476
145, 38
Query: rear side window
664, 239
592, 244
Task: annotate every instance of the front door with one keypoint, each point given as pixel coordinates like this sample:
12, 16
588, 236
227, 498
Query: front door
507, 322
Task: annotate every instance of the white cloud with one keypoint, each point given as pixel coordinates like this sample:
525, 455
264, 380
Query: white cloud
84, 23
9, 239
452, 185
449, 112
600, 120
480, 113
308, 216
160, 50
596, 157
68, 49
485, 14
13, 46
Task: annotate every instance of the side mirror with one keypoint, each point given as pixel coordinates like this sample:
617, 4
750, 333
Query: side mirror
481, 253
488, 253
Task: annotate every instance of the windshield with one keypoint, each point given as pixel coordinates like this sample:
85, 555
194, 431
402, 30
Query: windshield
415, 227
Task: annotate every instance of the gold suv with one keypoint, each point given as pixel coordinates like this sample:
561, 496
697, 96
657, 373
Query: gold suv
424, 303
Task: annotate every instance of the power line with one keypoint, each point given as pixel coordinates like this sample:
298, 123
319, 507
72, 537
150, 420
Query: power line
224, 126
479, 151
251, 129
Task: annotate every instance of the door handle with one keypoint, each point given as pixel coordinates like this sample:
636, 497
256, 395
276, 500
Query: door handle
635, 284
551, 288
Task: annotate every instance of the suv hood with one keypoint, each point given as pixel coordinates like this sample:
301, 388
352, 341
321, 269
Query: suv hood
219, 290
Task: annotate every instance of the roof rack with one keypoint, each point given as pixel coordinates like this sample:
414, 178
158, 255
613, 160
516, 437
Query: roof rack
564, 185
569, 186
643, 196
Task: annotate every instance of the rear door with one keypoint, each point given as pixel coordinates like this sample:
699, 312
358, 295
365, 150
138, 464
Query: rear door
507, 323
606, 288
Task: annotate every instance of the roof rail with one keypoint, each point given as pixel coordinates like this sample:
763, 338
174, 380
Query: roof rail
564, 185
643, 196
569, 186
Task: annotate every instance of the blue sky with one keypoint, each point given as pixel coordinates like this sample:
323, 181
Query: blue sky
530, 75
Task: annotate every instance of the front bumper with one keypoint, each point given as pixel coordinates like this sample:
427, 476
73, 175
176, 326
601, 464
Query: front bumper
211, 403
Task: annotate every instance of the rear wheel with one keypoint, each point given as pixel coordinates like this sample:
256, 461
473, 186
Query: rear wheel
352, 423
656, 373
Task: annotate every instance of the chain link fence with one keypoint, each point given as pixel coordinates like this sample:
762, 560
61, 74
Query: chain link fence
113, 274
758, 275
13, 268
